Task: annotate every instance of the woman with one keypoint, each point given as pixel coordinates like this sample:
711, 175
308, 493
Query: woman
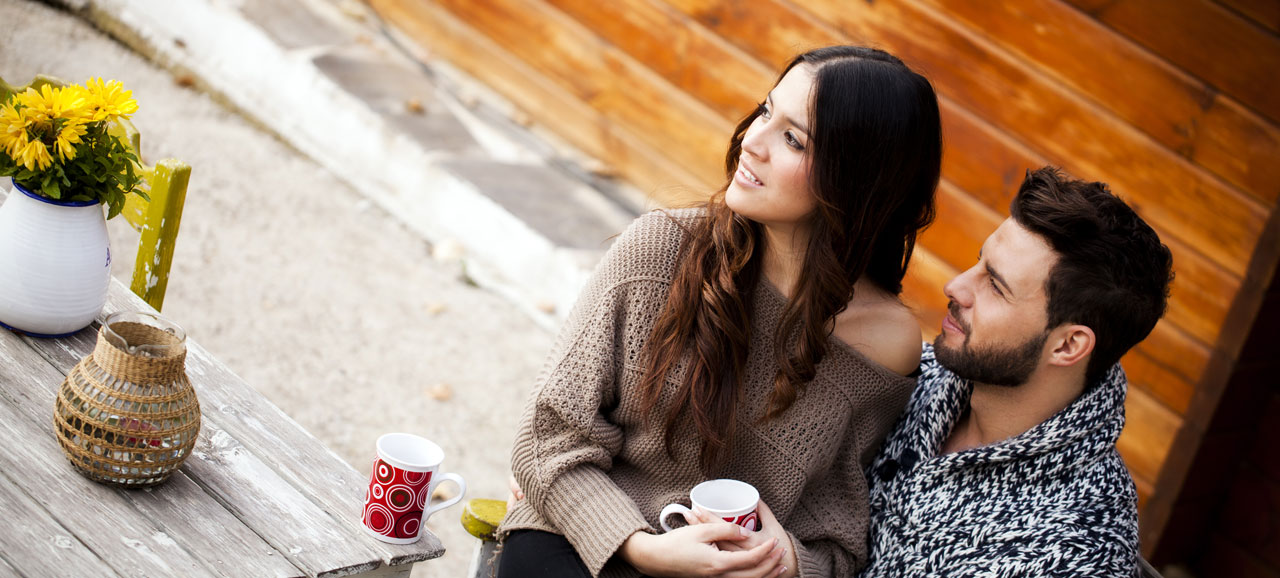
758, 338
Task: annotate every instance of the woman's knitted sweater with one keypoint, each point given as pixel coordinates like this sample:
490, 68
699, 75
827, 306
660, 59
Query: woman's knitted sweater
1055, 500
592, 463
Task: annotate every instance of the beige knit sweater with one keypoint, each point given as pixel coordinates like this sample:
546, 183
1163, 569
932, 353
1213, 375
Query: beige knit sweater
594, 470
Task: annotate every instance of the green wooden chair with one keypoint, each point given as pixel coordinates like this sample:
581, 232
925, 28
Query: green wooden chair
156, 221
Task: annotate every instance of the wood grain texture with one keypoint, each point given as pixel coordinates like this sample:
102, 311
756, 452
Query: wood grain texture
611, 82
97, 516
1231, 53
439, 32
308, 472
692, 58
1148, 434
1264, 13
1179, 111
33, 541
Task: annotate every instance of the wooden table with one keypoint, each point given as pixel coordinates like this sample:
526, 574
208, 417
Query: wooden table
259, 496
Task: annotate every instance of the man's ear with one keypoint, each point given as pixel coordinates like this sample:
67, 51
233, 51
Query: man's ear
1072, 344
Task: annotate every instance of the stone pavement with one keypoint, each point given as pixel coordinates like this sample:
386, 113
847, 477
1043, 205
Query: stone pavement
334, 233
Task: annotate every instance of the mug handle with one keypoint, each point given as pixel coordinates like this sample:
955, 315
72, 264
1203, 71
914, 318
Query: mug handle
672, 509
462, 491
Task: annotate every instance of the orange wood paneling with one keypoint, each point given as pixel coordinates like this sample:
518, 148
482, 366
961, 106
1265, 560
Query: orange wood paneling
1228, 51
1179, 111
614, 84
1148, 435
679, 50
1265, 13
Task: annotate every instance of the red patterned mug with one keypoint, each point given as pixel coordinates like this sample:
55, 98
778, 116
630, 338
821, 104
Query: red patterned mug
732, 501
405, 473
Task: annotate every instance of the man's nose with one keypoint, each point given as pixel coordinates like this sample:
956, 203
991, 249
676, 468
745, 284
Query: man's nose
960, 288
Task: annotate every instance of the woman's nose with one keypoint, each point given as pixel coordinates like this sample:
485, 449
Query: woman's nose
753, 140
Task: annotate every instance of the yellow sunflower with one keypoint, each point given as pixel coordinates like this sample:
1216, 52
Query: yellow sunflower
50, 102
109, 100
67, 138
35, 156
13, 130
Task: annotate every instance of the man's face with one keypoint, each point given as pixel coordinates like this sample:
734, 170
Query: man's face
996, 330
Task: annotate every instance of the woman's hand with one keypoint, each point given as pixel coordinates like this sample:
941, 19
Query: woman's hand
770, 532
692, 551
708, 546
516, 493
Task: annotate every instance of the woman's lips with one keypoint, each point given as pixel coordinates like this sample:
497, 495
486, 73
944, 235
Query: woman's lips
745, 177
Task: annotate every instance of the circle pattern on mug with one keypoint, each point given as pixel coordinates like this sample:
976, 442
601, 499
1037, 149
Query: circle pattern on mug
400, 498
395, 499
378, 518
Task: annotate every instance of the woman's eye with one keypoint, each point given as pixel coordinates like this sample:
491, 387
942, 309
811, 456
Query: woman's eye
764, 111
793, 142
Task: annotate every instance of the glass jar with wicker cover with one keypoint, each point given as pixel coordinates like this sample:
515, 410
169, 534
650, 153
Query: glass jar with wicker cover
127, 415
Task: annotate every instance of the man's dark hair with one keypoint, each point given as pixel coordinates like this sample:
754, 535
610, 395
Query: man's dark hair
1112, 274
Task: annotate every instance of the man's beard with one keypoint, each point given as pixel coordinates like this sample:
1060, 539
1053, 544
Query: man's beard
1009, 367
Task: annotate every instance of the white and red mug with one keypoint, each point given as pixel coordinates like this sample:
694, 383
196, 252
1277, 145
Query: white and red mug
405, 473
730, 500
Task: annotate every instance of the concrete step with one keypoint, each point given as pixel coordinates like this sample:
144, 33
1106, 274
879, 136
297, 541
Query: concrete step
434, 148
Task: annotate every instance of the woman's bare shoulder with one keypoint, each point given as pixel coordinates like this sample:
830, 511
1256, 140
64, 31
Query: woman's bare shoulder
884, 330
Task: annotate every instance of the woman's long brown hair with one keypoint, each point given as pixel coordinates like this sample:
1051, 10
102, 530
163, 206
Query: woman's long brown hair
876, 149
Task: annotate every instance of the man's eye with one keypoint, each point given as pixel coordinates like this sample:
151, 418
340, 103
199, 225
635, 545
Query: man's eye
995, 287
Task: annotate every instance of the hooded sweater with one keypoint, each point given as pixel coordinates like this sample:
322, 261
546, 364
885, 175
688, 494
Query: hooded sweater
1055, 500
591, 460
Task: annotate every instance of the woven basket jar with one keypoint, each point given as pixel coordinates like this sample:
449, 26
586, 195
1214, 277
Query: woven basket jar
127, 414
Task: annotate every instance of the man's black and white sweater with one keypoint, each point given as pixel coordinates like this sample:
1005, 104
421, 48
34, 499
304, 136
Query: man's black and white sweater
1053, 501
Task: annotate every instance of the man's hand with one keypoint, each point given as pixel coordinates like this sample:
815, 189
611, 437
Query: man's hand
692, 551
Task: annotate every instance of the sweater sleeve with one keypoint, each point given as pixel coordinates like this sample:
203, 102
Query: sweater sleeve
565, 445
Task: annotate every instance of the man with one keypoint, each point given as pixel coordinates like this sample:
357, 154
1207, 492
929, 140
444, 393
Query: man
1004, 463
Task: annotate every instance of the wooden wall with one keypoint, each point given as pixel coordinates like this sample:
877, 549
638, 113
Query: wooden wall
1172, 102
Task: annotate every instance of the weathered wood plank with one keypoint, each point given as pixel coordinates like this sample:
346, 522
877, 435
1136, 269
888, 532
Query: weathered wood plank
99, 517
317, 475
1175, 193
304, 533
682, 51
442, 34
33, 543
1177, 110
1230, 52
199, 523
182, 513
614, 84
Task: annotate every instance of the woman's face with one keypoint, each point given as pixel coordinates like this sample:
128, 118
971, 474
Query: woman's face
771, 185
